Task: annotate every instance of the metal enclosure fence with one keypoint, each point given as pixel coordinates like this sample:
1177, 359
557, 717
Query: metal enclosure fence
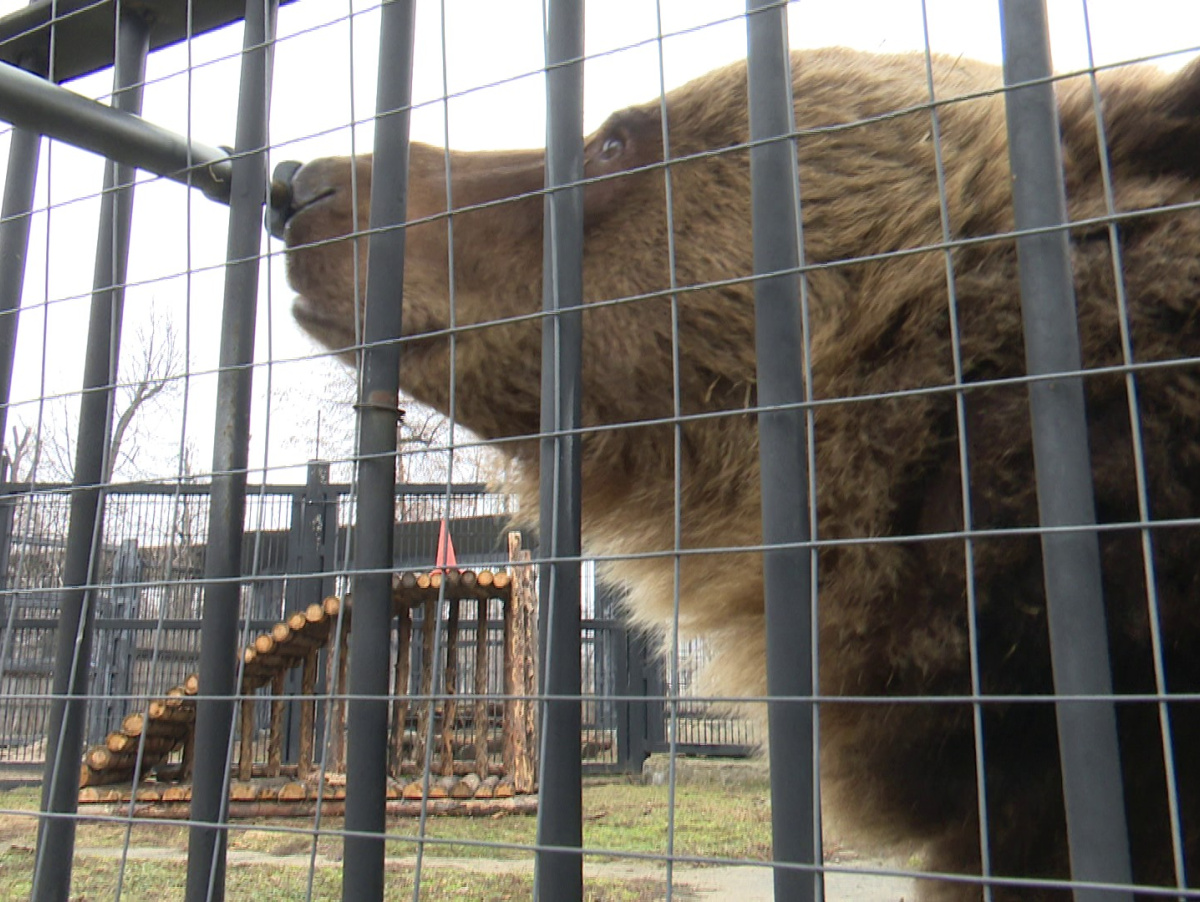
115, 591
149, 595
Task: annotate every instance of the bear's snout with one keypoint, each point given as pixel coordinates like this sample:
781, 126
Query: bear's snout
281, 207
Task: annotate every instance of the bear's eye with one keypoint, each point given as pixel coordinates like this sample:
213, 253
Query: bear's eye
611, 149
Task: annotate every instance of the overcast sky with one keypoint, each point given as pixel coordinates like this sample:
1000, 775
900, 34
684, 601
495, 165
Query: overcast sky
325, 81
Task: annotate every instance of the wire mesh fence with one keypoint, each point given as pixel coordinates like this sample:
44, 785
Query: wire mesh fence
841, 408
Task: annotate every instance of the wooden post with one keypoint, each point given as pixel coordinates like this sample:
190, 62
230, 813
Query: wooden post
450, 705
425, 710
246, 754
400, 689
275, 740
514, 679
520, 636
481, 684
337, 680
189, 754
308, 714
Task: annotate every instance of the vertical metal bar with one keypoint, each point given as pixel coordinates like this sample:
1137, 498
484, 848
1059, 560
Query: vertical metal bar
223, 562
558, 873
783, 453
367, 716
73, 650
15, 220
1087, 730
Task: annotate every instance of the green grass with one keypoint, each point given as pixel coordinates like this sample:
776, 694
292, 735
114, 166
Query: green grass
619, 816
152, 881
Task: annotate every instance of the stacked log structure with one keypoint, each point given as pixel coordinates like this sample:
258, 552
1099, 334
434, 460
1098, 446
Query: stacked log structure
462, 773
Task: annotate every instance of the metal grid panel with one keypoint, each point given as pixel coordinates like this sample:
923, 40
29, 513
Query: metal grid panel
887, 493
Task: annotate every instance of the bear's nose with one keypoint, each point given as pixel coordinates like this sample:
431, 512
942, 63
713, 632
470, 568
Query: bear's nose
281, 208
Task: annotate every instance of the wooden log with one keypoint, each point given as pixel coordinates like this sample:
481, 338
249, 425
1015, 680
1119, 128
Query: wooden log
487, 788
90, 777
182, 712
413, 790
440, 788
450, 705
243, 791
246, 745
258, 663
429, 628
504, 789
425, 581
332, 606
514, 684
400, 690
338, 751
461, 768
308, 714
468, 579
484, 578
100, 758
189, 755
307, 808
191, 685
501, 580
297, 644
133, 725
275, 735
265, 643
180, 793
466, 787
522, 602
293, 791
148, 792
154, 745
480, 713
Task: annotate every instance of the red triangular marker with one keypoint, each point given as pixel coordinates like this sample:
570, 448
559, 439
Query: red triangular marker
446, 558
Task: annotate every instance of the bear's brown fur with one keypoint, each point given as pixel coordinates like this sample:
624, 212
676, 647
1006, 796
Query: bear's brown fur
893, 615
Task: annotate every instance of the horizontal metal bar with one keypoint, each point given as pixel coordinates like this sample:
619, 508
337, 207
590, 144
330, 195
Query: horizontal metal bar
33, 103
83, 31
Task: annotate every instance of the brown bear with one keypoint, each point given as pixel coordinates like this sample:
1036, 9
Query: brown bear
893, 614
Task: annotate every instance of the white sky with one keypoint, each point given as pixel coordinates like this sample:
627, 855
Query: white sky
320, 55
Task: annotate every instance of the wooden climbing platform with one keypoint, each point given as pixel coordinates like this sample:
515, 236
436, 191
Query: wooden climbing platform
480, 748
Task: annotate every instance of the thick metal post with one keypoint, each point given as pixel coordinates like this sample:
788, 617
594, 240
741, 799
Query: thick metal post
73, 649
223, 562
14, 245
31, 102
378, 413
783, 454
558, 872
1087, 730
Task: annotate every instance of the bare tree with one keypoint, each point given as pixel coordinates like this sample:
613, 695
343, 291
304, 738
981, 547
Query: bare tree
422, 435
150, 372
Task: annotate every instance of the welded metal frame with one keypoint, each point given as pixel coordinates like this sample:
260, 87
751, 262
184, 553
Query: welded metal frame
378, 416
73, 654
783, 435
1093, 787
35, 104
558, 871
219, 660
1092, 790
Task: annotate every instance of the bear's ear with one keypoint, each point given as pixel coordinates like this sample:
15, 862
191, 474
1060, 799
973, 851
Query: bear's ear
1152, 120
